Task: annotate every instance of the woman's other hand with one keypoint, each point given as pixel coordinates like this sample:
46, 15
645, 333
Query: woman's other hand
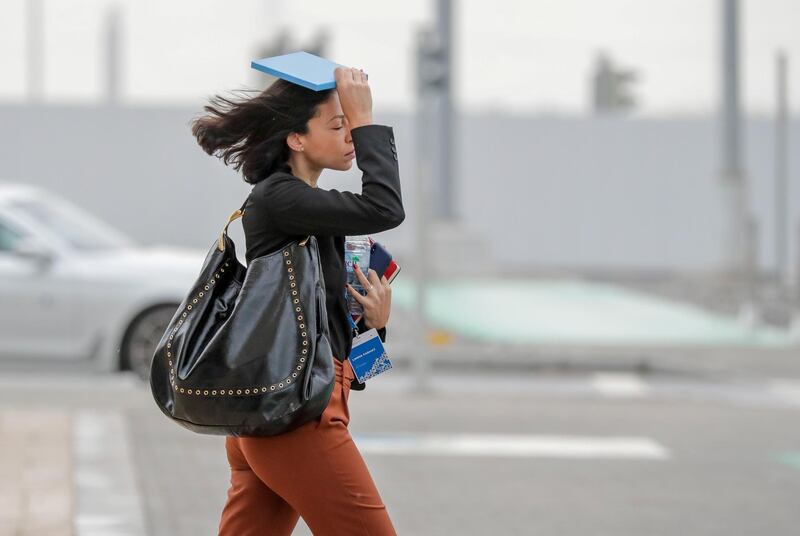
355, 96
377, 303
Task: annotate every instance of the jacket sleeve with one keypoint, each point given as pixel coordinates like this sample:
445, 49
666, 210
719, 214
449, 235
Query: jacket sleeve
296, 208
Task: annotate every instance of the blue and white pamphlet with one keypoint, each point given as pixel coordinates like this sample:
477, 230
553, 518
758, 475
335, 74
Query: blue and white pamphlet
368, 357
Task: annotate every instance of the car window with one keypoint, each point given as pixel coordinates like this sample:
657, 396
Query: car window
8, 238
72, 225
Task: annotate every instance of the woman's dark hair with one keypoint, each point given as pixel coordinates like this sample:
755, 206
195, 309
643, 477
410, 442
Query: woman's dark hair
251, 133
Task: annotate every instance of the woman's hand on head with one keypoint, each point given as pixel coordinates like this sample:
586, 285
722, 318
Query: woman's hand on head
377, 303
355, 96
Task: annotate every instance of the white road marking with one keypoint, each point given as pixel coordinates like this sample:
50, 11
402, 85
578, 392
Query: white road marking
520, 445
72, 382
107, 499
620, 385
36, 495
785, 389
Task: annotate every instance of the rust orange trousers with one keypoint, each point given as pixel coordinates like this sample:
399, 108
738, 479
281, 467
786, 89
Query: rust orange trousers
314, 471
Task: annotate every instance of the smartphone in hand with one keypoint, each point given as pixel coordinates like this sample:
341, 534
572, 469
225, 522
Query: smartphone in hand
382, 262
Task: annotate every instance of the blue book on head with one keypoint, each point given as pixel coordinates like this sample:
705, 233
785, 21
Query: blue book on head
300, 68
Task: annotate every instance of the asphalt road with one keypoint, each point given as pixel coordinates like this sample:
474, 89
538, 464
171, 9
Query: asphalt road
521, 453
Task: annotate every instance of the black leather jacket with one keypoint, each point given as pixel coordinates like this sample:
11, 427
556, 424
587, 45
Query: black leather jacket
282, 208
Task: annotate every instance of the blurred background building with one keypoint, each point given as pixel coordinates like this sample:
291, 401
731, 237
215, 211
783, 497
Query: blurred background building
591, 139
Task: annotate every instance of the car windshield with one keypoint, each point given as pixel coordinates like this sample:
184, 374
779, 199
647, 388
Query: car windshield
71, 224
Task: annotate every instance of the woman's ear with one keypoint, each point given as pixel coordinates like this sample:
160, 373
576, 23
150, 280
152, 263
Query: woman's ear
294, 141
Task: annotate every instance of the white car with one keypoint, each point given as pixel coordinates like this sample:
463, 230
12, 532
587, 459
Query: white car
74, 288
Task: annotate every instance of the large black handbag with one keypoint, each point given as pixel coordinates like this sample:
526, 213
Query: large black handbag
247, 353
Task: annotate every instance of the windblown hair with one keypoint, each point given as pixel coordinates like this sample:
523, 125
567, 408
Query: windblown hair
250, 133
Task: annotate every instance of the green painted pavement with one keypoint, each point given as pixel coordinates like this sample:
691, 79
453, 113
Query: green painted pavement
557, 311
792, 459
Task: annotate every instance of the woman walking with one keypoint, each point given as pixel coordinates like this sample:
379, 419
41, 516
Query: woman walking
281, 140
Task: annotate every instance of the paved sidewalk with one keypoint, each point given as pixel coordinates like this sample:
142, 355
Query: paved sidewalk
532, 447
36, 473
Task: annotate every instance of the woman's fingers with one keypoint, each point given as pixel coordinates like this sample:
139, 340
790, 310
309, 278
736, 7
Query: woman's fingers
361, 277
342, 75
352, 74
356, 294
355, 96
373, 278
370, 279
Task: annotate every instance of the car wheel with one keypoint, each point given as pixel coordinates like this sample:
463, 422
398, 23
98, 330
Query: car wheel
142, 337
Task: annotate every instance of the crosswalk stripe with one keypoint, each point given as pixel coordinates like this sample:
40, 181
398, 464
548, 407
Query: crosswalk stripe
512, 445
36, 494
620, 385
785, 389
108, 501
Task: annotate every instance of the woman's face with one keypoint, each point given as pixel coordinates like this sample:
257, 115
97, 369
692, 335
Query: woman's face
328, 143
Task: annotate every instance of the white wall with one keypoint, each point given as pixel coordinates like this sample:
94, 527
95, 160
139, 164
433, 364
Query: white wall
552, 192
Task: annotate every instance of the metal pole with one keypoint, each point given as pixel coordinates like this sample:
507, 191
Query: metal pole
35, 47
420, 359
732, 174
782, 265
444, 115
113, 56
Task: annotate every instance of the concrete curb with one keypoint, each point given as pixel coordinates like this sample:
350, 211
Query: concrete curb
673, 360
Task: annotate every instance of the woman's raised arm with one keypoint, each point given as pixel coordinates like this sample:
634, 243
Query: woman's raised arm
296, 208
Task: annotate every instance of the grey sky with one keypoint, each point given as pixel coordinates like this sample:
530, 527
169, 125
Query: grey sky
532, 56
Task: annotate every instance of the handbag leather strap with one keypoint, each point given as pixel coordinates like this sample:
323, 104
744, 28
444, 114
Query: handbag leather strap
238, 214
